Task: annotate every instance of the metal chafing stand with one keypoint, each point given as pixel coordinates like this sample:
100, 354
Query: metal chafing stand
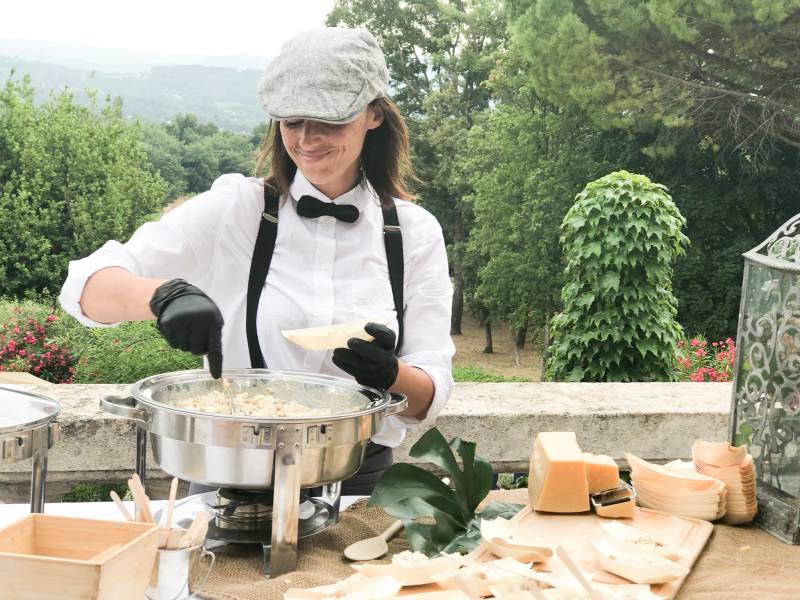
28, 429
276, 460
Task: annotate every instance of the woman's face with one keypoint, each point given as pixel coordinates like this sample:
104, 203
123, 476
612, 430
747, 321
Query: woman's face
328, 155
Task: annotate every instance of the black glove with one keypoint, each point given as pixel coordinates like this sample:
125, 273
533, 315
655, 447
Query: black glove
373, 364
190, 321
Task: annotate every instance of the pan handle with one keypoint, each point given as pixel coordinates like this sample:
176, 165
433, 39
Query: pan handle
124, 406
398, 404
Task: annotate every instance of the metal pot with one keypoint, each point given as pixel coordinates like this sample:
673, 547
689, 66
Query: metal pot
224, 450
28, 430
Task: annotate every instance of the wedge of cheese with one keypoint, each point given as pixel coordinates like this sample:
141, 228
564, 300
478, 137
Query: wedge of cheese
330, 336
557, 479
602, 473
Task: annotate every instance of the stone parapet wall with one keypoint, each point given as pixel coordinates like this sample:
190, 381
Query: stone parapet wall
657, 421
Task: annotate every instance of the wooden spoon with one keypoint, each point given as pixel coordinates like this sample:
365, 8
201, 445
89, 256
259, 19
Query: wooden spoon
374, 547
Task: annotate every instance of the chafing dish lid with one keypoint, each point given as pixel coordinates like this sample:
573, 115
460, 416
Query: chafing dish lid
21, 410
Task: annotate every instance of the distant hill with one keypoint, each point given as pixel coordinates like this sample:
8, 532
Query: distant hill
222, 95
117, 60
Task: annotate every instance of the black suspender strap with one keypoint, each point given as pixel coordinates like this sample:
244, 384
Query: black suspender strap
259, 267
262, 257
393, 240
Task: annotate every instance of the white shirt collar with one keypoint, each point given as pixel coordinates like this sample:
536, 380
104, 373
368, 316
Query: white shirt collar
360, 196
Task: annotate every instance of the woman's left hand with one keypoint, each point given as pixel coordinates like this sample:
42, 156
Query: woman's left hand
374, 363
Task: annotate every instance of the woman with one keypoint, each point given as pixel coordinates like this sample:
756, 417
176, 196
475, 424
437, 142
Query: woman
328, 237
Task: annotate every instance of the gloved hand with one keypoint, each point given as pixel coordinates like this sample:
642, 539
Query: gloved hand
374, 363
189, 320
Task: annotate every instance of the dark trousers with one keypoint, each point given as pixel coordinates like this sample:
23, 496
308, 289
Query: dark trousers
377, 459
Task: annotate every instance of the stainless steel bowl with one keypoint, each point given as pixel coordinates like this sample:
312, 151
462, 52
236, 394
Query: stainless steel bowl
224, 450
28, 430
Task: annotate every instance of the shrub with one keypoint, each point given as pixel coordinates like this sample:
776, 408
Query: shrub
695, 361
71, 177
122, 354
620, 240
26, 346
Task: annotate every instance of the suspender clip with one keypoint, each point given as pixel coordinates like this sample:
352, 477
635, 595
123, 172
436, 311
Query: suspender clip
269, 217
387, 228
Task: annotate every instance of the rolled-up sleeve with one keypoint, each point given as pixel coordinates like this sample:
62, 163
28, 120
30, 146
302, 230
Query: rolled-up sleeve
427, 344
180, 244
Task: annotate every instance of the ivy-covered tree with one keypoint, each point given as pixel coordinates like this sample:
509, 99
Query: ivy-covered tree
620, 239
71, 177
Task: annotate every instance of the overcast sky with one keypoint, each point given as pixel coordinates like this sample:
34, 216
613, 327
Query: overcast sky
169, 26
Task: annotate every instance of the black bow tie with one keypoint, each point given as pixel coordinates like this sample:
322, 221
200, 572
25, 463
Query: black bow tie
311, 207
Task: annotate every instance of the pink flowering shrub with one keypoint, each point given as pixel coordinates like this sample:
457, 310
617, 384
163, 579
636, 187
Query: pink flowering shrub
25, 347
696, 360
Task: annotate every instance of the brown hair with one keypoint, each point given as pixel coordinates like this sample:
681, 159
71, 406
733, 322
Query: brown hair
385, 157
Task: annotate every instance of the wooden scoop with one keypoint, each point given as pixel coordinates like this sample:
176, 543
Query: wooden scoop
374, 547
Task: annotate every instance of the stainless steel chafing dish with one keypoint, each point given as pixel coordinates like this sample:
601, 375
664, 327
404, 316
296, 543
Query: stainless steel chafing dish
249, 453
28, 430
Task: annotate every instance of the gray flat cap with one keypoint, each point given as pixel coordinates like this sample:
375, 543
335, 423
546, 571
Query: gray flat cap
328, 75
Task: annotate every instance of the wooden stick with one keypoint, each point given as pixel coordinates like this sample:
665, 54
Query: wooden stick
115, 497
533, 588
173, 490
573, 568
142, 502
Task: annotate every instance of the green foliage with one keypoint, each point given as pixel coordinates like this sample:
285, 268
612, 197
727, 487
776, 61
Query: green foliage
26, 346
121, 354
193, 154
525, 160
94, 492
620, 241
71, 177
712, 65
474, 374
408, 492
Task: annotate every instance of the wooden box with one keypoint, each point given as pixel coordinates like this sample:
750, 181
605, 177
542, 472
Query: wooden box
44, 557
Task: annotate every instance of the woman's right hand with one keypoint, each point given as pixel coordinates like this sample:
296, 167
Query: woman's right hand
189, 320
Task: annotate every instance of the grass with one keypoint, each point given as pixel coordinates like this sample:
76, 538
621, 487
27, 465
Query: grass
473, 373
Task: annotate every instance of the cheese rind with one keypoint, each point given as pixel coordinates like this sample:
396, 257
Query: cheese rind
602, 473
557, 480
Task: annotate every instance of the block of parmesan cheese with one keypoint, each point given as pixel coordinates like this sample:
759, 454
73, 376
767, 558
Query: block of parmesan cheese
557, 479
602, 473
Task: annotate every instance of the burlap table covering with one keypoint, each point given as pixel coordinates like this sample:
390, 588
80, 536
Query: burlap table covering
738, 563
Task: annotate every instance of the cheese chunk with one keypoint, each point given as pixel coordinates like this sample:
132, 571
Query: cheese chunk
557, 479
602, 473
623, 510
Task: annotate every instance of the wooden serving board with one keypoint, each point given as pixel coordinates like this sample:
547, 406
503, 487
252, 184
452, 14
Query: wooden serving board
576, 532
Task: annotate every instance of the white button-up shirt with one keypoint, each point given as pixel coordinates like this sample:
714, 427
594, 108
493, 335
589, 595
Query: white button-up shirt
323, 272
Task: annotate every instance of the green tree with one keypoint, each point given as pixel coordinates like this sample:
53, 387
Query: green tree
71, 177
164, 153
620, 240
714, 65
